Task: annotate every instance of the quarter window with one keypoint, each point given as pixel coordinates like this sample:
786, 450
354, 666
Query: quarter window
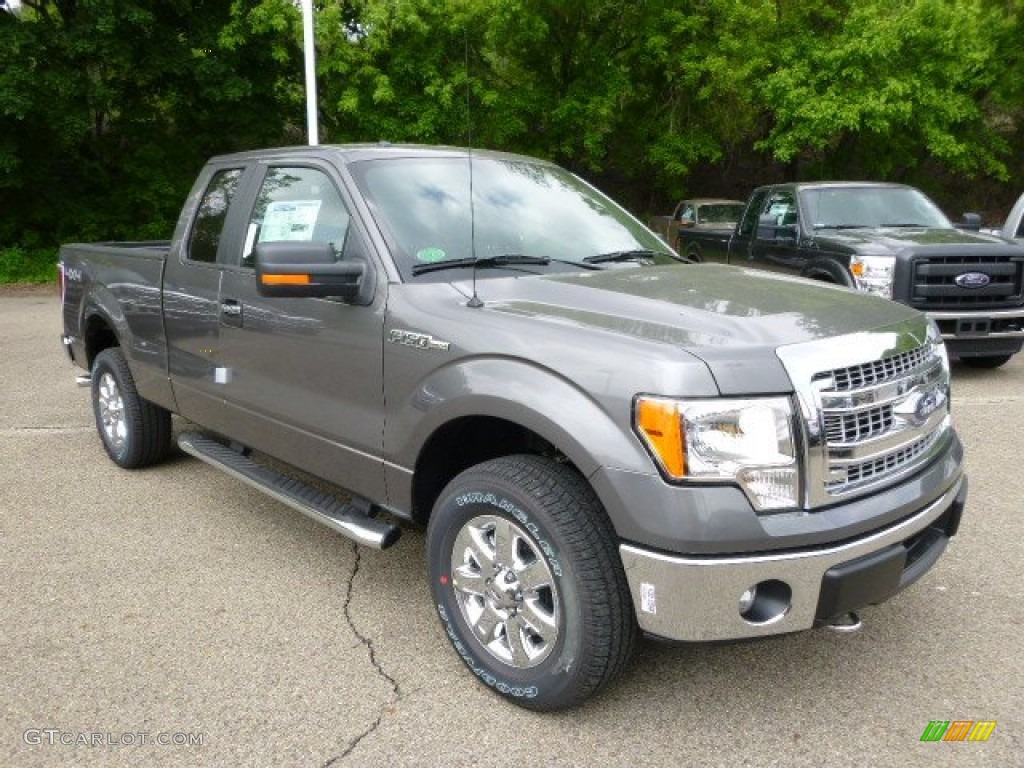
213, 210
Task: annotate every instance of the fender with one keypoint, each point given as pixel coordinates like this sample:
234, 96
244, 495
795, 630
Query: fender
591, 434
146, 357
830, 266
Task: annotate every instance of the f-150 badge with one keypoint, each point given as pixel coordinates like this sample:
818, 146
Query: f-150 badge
417, 340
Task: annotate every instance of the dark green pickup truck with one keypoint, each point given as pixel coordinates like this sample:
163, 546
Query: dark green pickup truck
599, 440
890, 240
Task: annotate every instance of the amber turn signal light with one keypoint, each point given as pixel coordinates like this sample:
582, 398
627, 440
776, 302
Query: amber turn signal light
659, 422
285, 279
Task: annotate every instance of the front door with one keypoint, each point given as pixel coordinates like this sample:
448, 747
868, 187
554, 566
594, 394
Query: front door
776, 242
304, 378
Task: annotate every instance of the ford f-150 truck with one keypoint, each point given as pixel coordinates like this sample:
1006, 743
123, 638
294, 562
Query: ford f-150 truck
599, 440
892, 241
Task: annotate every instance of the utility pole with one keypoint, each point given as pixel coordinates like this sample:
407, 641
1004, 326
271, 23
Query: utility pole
309, 51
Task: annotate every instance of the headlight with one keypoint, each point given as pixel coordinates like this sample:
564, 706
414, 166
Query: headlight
873, 274
748, 442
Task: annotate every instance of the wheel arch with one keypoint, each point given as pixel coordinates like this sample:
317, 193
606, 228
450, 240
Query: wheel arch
828, 271
494, 407
463, 443
103, 324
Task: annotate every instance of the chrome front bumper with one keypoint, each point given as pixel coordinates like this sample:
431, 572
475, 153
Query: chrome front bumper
698, 598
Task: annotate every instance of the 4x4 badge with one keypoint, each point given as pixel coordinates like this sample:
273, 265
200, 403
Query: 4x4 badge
416, 340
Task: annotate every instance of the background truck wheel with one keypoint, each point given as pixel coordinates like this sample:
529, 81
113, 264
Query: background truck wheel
135, 433
987, 361
526, 576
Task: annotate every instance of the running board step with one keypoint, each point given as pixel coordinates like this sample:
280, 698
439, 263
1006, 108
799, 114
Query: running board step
343, 516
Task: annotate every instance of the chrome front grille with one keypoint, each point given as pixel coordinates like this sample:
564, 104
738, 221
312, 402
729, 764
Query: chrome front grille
880, 418
878, 413
860, 425
869, 470
868, 374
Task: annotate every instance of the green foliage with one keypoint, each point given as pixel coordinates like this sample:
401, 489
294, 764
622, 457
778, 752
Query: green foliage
896, 83
18, 265
108, 107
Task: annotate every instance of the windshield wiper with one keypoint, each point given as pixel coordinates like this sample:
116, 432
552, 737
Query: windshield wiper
502, 260
900, 225
634, 255
844, 226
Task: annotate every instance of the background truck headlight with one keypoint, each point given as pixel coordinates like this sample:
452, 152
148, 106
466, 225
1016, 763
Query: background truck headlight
749, 442
873, 274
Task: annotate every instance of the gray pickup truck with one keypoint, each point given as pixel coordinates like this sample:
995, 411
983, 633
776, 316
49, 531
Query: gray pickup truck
891, 240
600, 440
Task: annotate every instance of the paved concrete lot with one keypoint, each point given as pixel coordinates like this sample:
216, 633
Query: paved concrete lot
178, 605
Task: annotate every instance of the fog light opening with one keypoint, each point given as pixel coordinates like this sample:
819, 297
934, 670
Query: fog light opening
765, 602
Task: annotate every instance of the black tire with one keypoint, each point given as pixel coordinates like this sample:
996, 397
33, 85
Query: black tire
135, 433
986, 361
557, 538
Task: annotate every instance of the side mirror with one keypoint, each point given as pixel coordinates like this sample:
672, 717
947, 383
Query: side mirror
686, 223
971, 222
294, 269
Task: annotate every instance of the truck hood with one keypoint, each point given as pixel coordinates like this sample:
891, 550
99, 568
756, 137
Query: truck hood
893, 240
731, 318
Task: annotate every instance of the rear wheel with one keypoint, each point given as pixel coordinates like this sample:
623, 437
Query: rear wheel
525, 572
134, 432
986, 361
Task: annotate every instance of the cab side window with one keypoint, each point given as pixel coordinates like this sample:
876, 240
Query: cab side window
779, 210
213, 210
752, 213
297, 204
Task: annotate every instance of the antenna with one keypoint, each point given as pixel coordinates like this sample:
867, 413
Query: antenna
475, 301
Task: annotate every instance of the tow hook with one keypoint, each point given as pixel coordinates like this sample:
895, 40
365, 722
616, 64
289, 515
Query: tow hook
847, 623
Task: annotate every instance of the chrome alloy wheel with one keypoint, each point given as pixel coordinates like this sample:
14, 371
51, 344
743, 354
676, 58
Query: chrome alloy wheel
111, 411
506, 591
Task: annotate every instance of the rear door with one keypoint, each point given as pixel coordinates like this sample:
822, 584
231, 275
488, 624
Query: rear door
191, 290
304, 376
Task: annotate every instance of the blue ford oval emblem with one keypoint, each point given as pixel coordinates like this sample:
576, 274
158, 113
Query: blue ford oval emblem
927, 404
972, 280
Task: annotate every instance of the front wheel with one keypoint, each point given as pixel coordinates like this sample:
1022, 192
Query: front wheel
134, 432
526, 576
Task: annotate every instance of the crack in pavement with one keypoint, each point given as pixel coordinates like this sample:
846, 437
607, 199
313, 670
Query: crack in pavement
396, 692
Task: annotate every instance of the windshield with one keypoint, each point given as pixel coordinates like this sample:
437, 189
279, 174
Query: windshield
520, 208
852, 207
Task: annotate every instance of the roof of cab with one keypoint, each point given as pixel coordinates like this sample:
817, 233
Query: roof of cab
358, 152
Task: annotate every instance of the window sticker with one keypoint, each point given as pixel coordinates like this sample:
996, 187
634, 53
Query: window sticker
430, 255
289, 220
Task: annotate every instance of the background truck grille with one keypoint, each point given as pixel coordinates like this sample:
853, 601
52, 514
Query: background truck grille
934, 282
